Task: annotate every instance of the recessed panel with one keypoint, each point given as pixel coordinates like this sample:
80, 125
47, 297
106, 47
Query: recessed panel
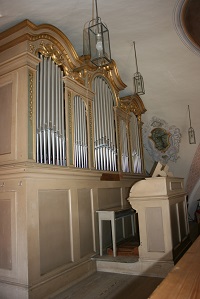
155, 234
85, 222
5, 234
109, 197
5, 118
176, 186
182, 219
54, 229
175, 225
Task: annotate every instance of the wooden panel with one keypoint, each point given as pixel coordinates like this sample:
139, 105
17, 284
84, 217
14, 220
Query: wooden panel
5, 234
109, 197
176, 186
5, 118
174, 225
182, 219
85, 222
155, 234
127, 192
183, 282
54, 229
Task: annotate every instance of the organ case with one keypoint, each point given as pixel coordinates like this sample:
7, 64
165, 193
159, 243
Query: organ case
63, 127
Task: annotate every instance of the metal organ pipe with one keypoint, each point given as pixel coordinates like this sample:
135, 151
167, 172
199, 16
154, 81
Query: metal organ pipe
80, 134
96, 133
102, 148
63, 124
48, 109
50, 143
136, 154
75, 134
105, 142
125, 158
85, 144
37, 117
44, 111
40, 110
56, 118
52, 127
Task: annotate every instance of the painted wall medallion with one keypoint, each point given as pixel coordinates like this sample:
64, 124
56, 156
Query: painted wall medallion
161, 140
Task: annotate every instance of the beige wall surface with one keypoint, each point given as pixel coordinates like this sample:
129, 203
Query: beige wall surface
5, 118
5, 234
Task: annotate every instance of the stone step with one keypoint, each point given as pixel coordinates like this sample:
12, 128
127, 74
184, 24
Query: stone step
125, 249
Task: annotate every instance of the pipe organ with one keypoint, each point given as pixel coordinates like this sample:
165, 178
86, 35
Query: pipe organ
50, 125
69, 146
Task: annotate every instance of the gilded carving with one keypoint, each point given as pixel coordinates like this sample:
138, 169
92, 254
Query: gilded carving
90, 120
139, 119
132, 103
129, 107
31, 96
31, 48
70, 111
49, 50
78, 76
54, 50
110, 72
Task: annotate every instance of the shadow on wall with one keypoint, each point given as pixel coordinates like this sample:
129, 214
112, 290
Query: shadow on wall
193, 200
193, 184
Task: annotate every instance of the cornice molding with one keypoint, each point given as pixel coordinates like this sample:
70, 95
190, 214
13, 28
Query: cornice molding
39, 36
51, 42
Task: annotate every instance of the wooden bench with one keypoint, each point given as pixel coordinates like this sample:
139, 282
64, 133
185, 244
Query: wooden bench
112, 215
183, 281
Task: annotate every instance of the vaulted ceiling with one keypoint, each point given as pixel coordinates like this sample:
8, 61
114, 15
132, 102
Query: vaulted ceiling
167, 43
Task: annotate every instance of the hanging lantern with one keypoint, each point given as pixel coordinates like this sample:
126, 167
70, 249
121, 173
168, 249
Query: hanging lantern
138, 81
191, 132
99, 43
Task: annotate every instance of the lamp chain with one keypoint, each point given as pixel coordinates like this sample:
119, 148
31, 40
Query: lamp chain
135, 57
189, 116
96, 11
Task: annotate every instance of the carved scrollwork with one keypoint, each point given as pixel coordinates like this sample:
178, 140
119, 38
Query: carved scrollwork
132, 103
31, 48
49, 50
129, 107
